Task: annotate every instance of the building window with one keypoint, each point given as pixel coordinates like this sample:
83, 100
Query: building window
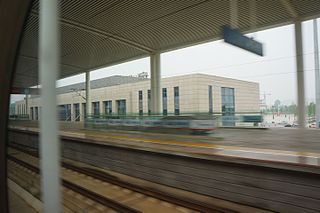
76, 109
149, 102
62, 112
36, 113
68, 112
121, 107
96, 108
140, 102
31, 113
164, 101
84, 110
228, 106
176, 100
108, 107
210, 98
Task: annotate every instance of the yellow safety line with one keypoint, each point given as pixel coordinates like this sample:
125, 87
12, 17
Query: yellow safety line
203, 145
98, 135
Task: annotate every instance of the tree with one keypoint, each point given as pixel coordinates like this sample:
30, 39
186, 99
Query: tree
311, 109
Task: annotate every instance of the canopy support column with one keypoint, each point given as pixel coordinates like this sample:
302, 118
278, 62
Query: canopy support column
155, 67
88, 98
300, 75
316, 70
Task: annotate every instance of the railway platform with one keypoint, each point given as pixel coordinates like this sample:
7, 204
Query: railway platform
244, 167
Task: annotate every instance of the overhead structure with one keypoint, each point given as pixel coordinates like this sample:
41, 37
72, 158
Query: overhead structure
101, 33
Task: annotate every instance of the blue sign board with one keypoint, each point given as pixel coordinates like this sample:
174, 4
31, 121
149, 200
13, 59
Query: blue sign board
235, 37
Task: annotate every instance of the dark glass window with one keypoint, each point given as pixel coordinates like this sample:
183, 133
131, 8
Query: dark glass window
68, 112
210, 99
36, 113
121, 106
164, 101
31, 113
64, 112
76, 109
228, 106
96, 108
108, 107
149, 102
140, 102
84, 110
176, 100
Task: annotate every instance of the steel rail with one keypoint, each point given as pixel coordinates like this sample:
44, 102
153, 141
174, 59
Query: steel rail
185, 202
81, 190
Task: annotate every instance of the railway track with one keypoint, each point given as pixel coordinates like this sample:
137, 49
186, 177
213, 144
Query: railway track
226, 182
148, 194
81, 190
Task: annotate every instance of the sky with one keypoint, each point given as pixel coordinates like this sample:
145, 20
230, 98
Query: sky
275, 71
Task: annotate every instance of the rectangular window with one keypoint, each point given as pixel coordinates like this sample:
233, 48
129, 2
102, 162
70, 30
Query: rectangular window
62, 109
140, 102
176, 100
164, 101
149, 102
76, 111
31, 113
121, 107
96, 108
210, 99
108, 107
68, 112
36, 113
228, 106
84, 110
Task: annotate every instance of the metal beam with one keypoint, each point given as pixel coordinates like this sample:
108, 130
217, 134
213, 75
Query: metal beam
234, 13
291, 10
102, 33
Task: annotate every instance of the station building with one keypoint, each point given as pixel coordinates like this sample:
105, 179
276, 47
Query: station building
127, 95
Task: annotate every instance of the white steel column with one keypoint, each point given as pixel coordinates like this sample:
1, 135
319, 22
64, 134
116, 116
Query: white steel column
49, 55
300, 74
88, 99
316, 70
155, 67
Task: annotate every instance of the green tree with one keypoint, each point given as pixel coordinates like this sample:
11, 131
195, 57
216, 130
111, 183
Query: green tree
311, 109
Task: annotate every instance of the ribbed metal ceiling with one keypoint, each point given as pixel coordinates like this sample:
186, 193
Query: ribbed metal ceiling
99, 33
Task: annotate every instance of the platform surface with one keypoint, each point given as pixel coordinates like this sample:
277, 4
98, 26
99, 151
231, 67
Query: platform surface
286, 145
18, 205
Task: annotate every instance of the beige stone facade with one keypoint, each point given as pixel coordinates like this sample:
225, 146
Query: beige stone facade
193, 96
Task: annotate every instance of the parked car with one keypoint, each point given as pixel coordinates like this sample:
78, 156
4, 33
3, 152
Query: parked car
312, 125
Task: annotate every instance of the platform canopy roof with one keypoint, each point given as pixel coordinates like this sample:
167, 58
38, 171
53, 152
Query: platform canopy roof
100, 33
